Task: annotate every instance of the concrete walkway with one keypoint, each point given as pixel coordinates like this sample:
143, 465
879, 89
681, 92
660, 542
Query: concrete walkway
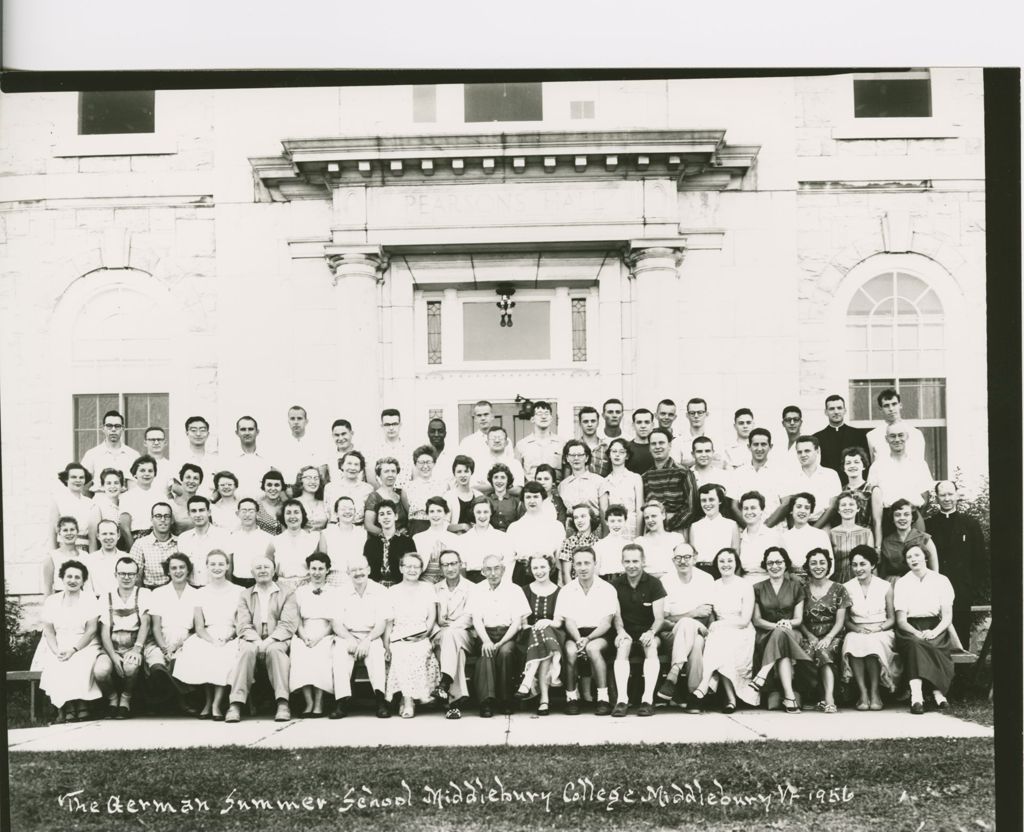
520, 729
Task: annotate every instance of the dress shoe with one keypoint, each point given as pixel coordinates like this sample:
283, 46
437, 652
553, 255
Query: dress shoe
602, 709
339, 710
917, 708
383, 711
572, 707
645, 709
234, 713
486, 711
620, 709
694, 704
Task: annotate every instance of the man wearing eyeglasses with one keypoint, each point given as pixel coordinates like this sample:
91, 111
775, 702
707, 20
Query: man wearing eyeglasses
682, 442
793, 425
111, 452
151, 550
687, 615
391, 445
197, 434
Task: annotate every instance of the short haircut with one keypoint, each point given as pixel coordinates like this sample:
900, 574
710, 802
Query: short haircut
806, 437
753, 495
483, 403
669, 402
803, 495
219, 553
341, 423
640, 411
76, 564
178, 556
116, 413
165, 505
390, 504
611, 401
255, 504
496, 429
743, 411
663, 432
767, 434
634, 547
272, 474
323, 558
834, 397
887, 394
358, 455
197, 499
534, 487
901, 503
710, 487
193, 420
238, 422
302, 509
781, 551
588, 408
858, 452
299, 407
735, 555
112, 523
574, 443
867, 552
480, 501
390, 411
145, 433
77, 466
792, 408
444, 552
143, 460
224, 475
424, 450
190, 466
346, 497
106, 472
615, 510
818, 551
416, 555
437, 501
702, 439
544, 467
585, 550
126, 560
913, 544
465, 461
66, 520
541, 405
696, 400
387, 460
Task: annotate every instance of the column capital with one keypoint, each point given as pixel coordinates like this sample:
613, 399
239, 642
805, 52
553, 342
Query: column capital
644, 255
350, 261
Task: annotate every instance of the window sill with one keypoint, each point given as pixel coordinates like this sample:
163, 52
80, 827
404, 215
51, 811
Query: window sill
130, 144
895, 128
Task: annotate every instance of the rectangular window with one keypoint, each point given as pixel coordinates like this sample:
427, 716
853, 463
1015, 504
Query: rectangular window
140, 411
893, 95
503, 102
528, 338
116, 112
424, 102
433, 332
581, 109
579, 329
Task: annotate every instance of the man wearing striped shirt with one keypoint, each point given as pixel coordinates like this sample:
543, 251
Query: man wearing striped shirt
670, 484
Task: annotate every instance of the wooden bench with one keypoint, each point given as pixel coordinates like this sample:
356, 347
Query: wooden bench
32, 677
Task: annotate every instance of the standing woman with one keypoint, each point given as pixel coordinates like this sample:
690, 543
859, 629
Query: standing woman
506, 507
67, 549
191, 477
342, 541
729, 645
422, 485
352, 483
224, 505
208, 655
825, 605
580, 485
69, 647
848, 534
137, 502
412, 615
778, 614
541, 642
868, 646
756, 537
70, 499
270, 513
309, 490
712, 532
387, 470
801, 536
623, 487
923, 600
290, 549
892, 563
316, 605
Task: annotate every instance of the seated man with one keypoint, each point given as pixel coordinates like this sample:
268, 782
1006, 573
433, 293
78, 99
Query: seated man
358, 629
454, 636
265, 622
498, 610
641, 614
124, 637
687, 614
586, 607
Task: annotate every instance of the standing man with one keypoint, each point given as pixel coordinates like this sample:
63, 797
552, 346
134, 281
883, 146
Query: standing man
737, 453
611, 412
641, 615
202, 539
362, 616
152, 550
793, 425
759, 474
156, 447
895, 476
892, 411
541, 446
682, 445
836, 436
688, 597
670, 484
704, 467
299, 448
111, 452
665, 414
249, 465
962, 558
640, 459
197, 434
444, 457
475, 444
498, 609
454, 637
391, 445
813, 478
599, 463
341, 434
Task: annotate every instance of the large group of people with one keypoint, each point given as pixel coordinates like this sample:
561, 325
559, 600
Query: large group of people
729, 570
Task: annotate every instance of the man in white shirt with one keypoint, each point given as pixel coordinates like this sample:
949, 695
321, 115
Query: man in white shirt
612, 412
665, 414
249, 465
812, 478
444, 454
898, 476
891, 405
197, 434
391, 445
475, 444
111, 452
682, 444
705, 466
498, 609
300, 448
341, 438
586, 607
202, 539
735, 454
687, 616
358, 628
156, 446
759, 474
793, 425
497, 450
535, 533
541, 446
454, 637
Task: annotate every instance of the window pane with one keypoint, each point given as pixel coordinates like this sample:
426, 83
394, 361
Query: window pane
579, 329
424, 102
433, 332
88, 413
861, 304
907, 336
528, 338
143, 410
935, 451
880, 364
910, 287
115, 112
929, 303
892, 98
879, 287
581, 109
503, 102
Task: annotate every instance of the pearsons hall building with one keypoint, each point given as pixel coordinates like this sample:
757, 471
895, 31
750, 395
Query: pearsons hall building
756, 242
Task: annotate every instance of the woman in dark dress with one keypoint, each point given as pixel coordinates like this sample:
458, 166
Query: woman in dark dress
825, 605
506, 508
540, 641
778, 614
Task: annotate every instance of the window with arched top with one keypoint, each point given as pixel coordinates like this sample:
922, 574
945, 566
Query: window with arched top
895, 337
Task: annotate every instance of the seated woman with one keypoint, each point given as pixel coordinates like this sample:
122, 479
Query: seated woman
848, 534
317, 604
68, 648
191, 477
801, 536
413, 669
387, 470
352, 484
868, 646
208, 655
271, 504
778, 614
422, 485
71, 499
756, 538
309, 490
540, 641
729, 645
506, 507
136, 503
712, 532
67, 549
172, 614
923, 600
342, 541
825, 605
224, 505
290, 549
892, 563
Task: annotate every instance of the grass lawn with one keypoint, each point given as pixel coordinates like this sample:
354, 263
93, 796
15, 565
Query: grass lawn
919, 785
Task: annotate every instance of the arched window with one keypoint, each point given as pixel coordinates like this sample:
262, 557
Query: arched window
895, 337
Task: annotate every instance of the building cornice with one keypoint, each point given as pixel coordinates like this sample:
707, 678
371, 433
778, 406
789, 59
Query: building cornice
312, 168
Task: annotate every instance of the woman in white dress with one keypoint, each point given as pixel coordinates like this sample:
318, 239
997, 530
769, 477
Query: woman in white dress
224, 505
70, 499
137, 502
622, 487
801, 537
713, 532
342, 541
756, 537
317, 604
351, 484
290, 549
729, 646
412, 614
172, 615
208, 655
868, 649
68, 646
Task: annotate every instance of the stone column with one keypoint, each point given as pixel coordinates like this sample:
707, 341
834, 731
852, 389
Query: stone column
358, 272
653, 267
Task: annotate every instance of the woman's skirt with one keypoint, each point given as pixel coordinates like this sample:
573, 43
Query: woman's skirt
200, 662
773, 645
880, 645
823, 656
70, 679
312, 665
413, 671
539, 645
928, 660
729, 652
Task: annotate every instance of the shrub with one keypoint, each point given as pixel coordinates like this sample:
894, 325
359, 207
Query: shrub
20, 645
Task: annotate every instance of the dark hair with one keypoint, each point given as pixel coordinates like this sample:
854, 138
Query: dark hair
709, 487
299, 407
67, 518
696, 439
116, 413
534, 487
241, 419
191, 420
154, 427
297, 488
341, 423
465, 461
346, 497
272, 474
663, 432
496, 429
424, 450
595, 521
483, 403
437, 501
191, 466
616, 510
256, 504
449, 552
914, 545
498, 468
855, 451
611, 401
540, 405
197, 498
142, 460
716, 573
177, 556
806, 437
112, 523
635, 547
545, 467
323, 558
806, 495
792, 408
835, 397
697, 400
867, 552
888, 393
302, 508
588, 550
669, 402
224, 475
391, 504
819, 551
753, 495
358, 455
76, 564
767, 434
77, 466
625, 444
743, 411
902, 502
587, 408
571, 444
781, 551
390, 411
640, 411
165, 505
106, 472
126, 559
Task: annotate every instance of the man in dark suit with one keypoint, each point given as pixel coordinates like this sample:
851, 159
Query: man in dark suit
837, 436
